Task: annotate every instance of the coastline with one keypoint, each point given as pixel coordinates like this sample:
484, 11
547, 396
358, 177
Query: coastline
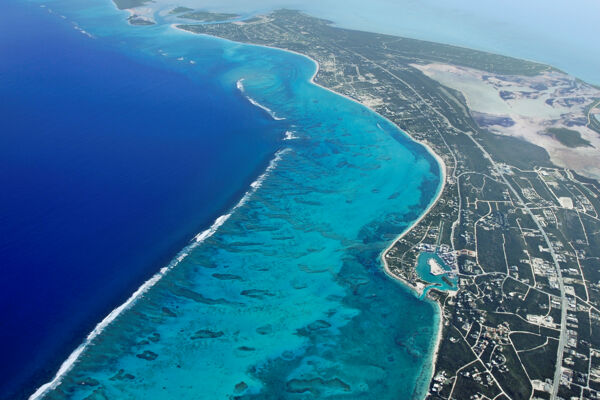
68, 364
395, 245
443, 177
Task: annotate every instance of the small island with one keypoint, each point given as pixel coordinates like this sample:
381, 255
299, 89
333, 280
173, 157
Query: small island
205, 16
180, 10
129, 4
140, 20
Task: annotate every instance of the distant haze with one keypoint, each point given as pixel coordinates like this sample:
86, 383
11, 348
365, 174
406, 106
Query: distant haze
563, 34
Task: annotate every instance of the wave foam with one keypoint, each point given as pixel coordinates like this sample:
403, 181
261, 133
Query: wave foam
240, 85
70, 361
68, 364
83, 31
289, 135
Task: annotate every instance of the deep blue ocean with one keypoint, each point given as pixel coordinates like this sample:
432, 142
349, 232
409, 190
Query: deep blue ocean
109, 164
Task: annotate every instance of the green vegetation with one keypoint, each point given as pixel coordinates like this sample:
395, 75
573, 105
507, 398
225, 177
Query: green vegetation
489, 62
126, 4
539, 363
568, 137
512, 285
205, 16
136, 20
536, 303
527, 341
514, 322
468, 386
515, 151
593, 119
511, 375
437, 52
454, 351
489, 246
179, 10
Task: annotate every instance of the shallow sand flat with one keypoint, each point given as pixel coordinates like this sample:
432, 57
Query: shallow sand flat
526, 106
481, 97
582, 159
483, 90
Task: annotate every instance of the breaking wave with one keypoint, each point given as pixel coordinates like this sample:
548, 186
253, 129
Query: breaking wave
68, 364
240, 86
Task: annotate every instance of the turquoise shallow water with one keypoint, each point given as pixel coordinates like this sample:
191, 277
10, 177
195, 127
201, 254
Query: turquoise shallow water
287, 297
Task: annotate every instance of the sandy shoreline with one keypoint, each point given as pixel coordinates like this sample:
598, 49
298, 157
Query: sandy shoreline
443, 174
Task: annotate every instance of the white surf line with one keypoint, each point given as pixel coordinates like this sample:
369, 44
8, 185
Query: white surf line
290, 135
240, 85
314, 82
68, 364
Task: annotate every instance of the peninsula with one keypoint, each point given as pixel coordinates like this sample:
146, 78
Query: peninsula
519, 214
